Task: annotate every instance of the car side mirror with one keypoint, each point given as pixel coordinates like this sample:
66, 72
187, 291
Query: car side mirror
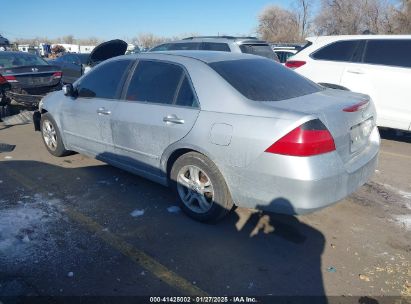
68, 90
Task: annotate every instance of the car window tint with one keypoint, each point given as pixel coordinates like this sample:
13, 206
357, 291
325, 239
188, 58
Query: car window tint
161, 47
104, 80
337, 51
214, 46
154, 81
263, 79
263, 50
184, 46
186, 95
394, 52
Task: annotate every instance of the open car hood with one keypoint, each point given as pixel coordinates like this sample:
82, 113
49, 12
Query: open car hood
106, 50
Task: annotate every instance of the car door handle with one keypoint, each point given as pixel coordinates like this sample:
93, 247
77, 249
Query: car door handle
103, 111
356, 71
173, 119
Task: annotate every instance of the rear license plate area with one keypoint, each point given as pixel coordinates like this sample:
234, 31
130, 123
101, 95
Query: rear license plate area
360, 133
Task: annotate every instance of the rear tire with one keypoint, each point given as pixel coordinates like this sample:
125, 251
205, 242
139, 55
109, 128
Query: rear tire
51, 136
201, 188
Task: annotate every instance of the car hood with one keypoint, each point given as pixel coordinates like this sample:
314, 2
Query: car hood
107, 50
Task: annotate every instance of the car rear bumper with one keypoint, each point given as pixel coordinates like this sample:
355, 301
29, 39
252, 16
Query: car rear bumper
30, 100
298, 185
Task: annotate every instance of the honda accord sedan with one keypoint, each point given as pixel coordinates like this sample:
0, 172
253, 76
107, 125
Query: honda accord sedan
221, 129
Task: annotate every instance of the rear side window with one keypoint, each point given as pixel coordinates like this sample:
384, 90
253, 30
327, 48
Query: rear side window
104, 81
215, 46
394, 52
186, 95
264, 80
155, 82
263, 50
337, 51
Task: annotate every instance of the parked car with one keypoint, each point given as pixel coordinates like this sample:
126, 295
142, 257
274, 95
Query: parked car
74, 65
377, 65
284, 52
248, 45
262, 137
28, 76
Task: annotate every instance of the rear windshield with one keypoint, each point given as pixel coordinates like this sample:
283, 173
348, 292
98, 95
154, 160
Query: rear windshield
259, 49
11, 60
264, 80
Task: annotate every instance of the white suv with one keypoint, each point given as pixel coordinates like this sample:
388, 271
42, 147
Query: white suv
377, 65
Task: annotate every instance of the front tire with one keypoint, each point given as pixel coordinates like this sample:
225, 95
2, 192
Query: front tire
203, 192
51, 136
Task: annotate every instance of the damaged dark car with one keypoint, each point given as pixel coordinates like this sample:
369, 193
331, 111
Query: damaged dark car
26, 78
75, 65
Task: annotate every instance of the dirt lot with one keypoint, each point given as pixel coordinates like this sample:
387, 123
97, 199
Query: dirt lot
75, 226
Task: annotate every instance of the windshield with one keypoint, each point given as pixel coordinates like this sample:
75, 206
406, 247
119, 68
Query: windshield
263, 50
264, 80
11, 60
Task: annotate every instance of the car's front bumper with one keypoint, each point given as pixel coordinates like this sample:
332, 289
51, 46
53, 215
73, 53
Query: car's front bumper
297, 185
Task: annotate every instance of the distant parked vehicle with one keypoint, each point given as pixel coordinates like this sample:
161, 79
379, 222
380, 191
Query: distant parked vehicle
219, 128
74, 65
376, 65
284, 52
28, 77
248, 45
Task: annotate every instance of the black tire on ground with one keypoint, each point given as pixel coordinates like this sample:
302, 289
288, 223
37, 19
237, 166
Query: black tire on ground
221, 203
59, 149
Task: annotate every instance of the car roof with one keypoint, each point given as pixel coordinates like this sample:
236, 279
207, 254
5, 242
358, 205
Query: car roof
221, 39
204, 56
323, 39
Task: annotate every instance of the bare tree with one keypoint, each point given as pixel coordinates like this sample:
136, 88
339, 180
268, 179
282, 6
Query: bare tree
304, 16
69, 39
403, 18
148, 40
350, 17
277, 24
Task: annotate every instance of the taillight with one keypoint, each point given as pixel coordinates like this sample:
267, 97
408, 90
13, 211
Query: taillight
57, 75
10, 78
358, 106
2, 80
311, 138
293, 64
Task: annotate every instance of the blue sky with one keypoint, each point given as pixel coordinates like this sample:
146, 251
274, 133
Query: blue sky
127, 18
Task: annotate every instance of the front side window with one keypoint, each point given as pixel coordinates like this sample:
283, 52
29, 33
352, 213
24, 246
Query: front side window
395, 52
264, 80
215, 46
184, 46
337, 51
104, 81
161, 47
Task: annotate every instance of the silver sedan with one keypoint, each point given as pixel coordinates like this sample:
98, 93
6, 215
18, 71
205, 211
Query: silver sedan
221, 129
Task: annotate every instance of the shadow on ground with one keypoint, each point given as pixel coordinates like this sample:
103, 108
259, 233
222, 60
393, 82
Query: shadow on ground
248, 253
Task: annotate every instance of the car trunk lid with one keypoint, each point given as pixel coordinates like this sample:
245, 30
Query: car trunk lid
107, 50
350, 117
32, 76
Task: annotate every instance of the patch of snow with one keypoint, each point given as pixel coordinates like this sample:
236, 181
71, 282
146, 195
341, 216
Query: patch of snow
137, 213
24, 228
404, 220
404, 194
173, 209
8, 157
